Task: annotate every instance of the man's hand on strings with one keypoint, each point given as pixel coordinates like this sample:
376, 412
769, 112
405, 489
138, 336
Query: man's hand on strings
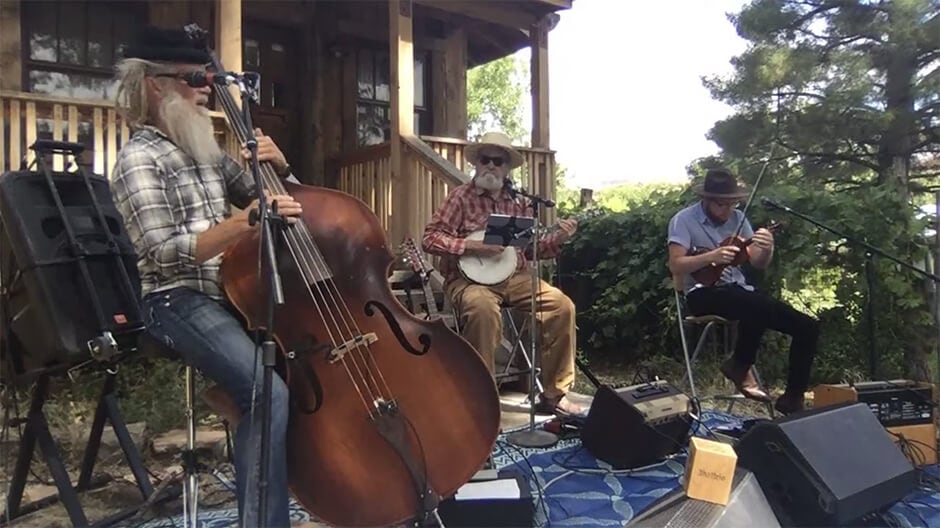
763, 239
479, 249
567, 228
724, 254
286, 207
267, 151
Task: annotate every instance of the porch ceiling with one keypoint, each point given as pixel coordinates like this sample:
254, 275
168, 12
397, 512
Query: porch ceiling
495, 28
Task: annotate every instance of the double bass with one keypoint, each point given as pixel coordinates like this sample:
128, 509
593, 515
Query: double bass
389, 413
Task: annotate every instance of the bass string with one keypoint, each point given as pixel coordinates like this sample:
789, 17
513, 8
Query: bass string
360, 351
302, 261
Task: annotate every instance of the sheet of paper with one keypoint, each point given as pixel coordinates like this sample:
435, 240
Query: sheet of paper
490, 489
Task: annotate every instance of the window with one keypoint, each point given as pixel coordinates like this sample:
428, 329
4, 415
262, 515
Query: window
71, 46
373, 121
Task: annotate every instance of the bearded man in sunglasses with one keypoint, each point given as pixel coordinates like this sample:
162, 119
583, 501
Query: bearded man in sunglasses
176, 188
466, 210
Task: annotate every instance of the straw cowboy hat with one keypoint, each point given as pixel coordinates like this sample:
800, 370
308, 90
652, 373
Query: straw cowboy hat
720, 183
494, 139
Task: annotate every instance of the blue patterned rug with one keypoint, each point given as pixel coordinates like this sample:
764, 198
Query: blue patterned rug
572, 488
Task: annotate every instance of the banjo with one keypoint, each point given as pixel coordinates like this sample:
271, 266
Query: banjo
496, 269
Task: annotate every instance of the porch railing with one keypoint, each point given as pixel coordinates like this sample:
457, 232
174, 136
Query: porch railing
26, 117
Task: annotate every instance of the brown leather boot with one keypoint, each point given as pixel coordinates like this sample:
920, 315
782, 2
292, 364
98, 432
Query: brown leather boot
743, 378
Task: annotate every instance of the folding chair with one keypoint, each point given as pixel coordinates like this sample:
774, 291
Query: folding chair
710, 326
511, 344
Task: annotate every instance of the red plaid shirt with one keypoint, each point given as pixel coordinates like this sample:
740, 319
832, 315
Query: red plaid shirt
466, 209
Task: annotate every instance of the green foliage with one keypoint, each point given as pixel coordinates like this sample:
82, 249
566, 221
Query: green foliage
494, 98
627, 196
615, 269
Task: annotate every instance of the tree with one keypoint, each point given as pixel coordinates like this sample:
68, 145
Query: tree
850, 88
494, 98
847, 93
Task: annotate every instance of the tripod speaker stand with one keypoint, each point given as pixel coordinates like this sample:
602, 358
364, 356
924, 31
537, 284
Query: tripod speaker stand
69, 298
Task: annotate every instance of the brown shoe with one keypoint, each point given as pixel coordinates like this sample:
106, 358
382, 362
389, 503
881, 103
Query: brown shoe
560, 406
743, 378
789, 404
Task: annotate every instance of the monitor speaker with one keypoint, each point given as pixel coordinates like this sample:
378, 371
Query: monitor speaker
827, 467
61, 297
635, 426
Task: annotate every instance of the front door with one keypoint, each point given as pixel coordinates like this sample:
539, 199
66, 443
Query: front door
274, 52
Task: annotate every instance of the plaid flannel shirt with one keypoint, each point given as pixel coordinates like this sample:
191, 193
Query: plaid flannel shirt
467, 209
166, 200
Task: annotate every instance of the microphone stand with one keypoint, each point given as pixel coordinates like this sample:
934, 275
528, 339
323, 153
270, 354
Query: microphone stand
533, 437
270, 225
870, 252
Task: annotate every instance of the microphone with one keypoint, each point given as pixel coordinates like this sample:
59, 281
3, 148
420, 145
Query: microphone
510, 187
200, 79
770, 203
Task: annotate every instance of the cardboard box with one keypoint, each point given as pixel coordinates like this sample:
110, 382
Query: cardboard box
922, 440
709, 472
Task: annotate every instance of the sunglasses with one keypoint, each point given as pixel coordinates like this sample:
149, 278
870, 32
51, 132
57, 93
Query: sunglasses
497, 161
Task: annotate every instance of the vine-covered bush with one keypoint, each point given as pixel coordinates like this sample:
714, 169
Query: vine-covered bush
615, 270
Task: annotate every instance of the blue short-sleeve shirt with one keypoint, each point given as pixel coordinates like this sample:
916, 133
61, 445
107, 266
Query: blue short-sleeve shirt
692, 229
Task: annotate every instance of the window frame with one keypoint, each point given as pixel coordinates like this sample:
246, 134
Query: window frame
139, 9
423, 114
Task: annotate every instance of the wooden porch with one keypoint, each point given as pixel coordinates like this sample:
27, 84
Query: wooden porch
416, 55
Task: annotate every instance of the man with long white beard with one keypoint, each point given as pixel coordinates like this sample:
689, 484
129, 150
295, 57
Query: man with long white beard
467, 209
175, 189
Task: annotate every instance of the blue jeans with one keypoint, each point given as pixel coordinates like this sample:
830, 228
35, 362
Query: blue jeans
213, 341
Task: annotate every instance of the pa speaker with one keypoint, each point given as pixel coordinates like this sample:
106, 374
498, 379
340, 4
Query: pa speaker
635, 426
52, 310
828, 466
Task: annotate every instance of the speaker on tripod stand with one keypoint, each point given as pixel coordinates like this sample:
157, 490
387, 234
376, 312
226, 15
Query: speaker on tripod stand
69, 297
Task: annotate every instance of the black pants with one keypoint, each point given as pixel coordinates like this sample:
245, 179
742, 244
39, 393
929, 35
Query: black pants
755, 313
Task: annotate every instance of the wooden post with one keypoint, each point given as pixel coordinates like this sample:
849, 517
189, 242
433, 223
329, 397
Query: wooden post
539, 69
587, 198
401, 52
449, 86
228, 38
11, 63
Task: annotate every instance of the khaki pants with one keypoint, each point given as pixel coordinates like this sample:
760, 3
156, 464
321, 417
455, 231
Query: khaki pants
481, 321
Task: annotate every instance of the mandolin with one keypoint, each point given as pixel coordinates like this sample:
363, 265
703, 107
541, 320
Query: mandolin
709, 275
422, 269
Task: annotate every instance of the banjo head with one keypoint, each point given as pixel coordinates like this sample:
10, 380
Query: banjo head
491, 270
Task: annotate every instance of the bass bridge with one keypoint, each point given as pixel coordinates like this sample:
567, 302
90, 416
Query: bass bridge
340, 351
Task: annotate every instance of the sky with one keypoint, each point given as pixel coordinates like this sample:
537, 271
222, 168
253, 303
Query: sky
627, 104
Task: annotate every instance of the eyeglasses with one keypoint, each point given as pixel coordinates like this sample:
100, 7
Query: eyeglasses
726, 203
497, 161
193, 79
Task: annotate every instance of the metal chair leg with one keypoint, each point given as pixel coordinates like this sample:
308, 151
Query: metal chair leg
517, 332
191, 481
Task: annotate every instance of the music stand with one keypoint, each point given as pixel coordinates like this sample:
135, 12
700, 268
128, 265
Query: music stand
506, 230
520, 231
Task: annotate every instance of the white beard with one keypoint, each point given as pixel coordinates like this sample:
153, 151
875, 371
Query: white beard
488, 181
190, 127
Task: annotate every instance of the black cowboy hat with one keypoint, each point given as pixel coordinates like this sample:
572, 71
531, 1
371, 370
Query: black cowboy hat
168, 45
720, 183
